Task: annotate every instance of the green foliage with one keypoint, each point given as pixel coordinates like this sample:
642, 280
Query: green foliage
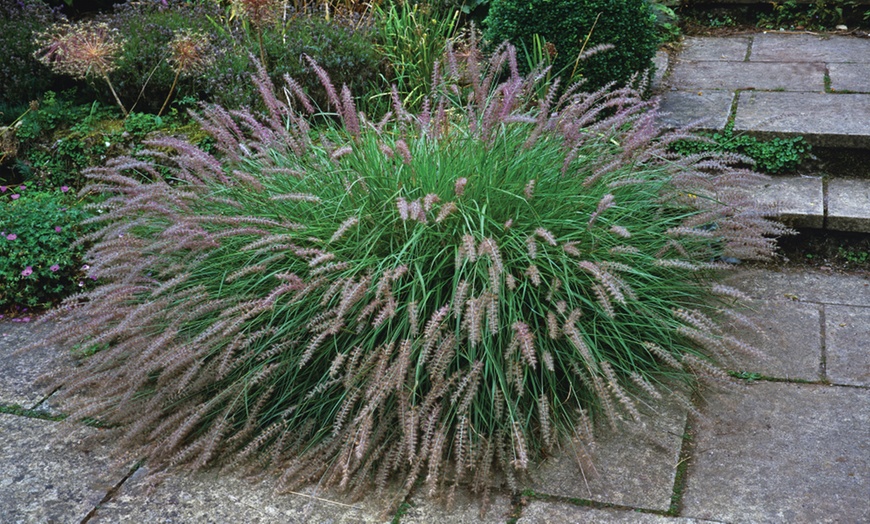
666, 19
817, 15
336, 45
60, 138
575, 26
853, 255
411, 39
145, 74
776, 155
466, 290
467, 7
38, 265
21, 75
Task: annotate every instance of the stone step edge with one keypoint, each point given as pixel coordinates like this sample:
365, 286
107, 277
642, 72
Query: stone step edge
816, 202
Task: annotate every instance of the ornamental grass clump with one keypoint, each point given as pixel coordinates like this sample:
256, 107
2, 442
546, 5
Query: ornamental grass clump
438, 297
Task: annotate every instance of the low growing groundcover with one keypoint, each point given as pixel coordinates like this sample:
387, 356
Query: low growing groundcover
439, 297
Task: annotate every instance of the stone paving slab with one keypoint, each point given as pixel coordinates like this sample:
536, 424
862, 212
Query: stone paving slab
850, 77
542, 512
804, 286
466, 508
849, 204
681, 108
800, 76
728, 49
47, 475
211, 497
822, 119
788, 334
773, 47
800, 199
18, 373
778, 452
847, 349
628, 469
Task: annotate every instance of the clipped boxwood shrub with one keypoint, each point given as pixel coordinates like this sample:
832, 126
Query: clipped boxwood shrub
628, 25
39, 265
442, 297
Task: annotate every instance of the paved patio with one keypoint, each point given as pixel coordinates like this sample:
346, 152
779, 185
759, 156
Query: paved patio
792, 445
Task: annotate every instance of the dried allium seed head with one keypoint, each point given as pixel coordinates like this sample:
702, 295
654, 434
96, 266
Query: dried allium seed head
80, 50
190, 52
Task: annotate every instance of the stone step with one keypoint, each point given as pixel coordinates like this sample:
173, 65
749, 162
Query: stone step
814, 202
773, 85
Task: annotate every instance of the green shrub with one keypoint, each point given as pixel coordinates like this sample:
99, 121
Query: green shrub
149, 28
21, 75
773, 156
442, 296
575, 26
338, 45
59, 138
38, 264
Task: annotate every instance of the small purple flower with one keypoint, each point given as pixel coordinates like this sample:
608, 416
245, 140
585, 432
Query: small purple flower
93, 277
11, 236
3, 189
58, 229
27, 271
64, 188
54, 268
86, 267
15, 196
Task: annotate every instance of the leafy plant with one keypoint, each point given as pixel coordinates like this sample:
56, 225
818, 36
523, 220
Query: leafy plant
412, 41
853, 255
59, 138
575, 27
39, 264
666, 19
442, 296
791, 14
776, 155
21, 75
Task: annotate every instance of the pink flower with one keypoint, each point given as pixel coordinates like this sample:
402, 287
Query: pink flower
15, 196
27, 271
54, 268
3, 189
64, 188
58, 229
11, 236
